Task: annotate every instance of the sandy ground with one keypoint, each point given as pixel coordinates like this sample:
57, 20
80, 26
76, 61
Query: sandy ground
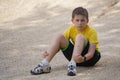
28, 26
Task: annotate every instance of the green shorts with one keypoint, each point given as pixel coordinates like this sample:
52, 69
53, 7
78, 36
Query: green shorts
68, 51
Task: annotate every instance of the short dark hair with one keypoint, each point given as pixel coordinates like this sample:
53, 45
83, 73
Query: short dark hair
80, 10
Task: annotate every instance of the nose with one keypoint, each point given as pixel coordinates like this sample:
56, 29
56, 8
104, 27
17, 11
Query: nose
79, 22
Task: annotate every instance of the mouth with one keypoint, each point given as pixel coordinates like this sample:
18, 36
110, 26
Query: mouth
80, 27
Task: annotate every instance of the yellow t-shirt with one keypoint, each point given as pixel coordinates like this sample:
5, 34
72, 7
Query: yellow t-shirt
89, 33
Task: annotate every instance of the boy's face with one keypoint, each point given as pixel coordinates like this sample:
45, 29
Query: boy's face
80, 21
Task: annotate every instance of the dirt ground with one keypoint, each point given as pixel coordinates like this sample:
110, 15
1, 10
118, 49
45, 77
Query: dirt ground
28, 26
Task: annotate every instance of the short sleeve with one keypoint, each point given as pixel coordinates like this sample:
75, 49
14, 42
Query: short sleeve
93, 37
67, 33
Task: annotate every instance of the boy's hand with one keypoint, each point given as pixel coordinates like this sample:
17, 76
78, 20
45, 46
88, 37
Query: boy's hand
78, 58
45, 54
81, 58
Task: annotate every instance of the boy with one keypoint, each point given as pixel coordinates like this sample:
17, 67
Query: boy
79, 44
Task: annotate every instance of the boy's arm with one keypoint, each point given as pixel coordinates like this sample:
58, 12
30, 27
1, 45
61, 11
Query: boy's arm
91, 51
93, 41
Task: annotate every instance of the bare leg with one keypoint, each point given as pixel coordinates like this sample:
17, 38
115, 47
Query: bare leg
78, 48
76, 57
58, 42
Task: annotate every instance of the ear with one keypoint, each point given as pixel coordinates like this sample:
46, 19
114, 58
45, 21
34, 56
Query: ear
87, 20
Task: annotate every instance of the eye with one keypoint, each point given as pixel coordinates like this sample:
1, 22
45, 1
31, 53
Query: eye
77, 20
82, 20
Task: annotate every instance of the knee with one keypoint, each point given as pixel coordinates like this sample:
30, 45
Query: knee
59, 36
80, 37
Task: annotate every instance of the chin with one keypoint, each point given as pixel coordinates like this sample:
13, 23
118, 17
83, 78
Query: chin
80, 29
